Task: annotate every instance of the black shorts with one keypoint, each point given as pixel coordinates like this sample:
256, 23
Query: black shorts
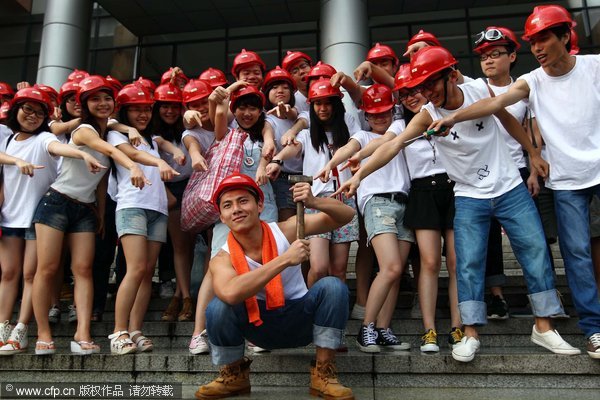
177, 189
430, 203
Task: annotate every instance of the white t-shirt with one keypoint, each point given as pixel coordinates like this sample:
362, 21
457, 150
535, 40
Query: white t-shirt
474, 153
151, 197
517, 110
21, 192
351, 123
391, 178
204, 137
300, 103
567, 110
281, 126
185, 170
314, 161
421, 155
291, 277
74, 178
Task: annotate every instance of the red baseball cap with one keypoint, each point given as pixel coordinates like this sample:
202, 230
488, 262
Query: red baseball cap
237, 181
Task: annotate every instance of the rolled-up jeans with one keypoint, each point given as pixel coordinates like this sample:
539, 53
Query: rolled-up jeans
573, 218
318, 317
516, 212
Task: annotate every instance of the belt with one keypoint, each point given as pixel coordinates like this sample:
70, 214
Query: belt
399, 197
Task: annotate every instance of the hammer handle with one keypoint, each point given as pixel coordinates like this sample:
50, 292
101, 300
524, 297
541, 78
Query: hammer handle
300, 220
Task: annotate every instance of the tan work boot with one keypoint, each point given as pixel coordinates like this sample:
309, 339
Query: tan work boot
324, 382
234, 379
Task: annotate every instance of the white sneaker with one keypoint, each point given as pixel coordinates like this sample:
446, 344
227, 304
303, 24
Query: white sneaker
199, 344
17, 342
166, 290
5, 330
552, 341
358, 312
256, 349
72, 313
54, 314
466, 349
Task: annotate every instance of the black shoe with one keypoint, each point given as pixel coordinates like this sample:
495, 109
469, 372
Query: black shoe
497, 308
388, 341
367, 339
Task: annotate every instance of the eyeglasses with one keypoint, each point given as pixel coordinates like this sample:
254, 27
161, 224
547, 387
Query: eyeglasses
299, 67
406, 93
140, 110
493, 55
490, 35
28, 110
71, 99
429, 84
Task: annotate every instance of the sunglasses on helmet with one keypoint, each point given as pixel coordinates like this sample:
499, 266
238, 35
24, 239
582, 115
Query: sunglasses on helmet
490, 35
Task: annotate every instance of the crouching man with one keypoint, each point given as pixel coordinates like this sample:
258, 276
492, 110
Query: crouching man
261, 295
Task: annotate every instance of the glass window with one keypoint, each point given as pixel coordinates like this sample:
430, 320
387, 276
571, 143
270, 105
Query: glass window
194, 58
154, 60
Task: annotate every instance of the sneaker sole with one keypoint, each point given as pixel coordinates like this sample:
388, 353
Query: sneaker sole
594, 355
463, 358
369, 349
395, 347
566, 352
196, 352
497, 317
430, 348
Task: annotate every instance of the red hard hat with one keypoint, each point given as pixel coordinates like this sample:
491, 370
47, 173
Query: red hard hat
245, 91
78, 75
403, 77
279, 74
134, 94
215, 77
423, 36
114, 83
168, 93
68, 88
320, 70
508, 37
574, 43
292, 57
49, 90
33, 94
92, 84
4, 109
6, 90
428, 61
196, 89
544, 17
245, 58
321, 89
147, 83
377, 98
380, 51
166, 77
237, 181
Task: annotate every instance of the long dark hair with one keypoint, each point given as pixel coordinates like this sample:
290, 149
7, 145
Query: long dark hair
158, 127
88, 118
255, 131
66, 116
337, 126
14, 125
124, 118
269, 87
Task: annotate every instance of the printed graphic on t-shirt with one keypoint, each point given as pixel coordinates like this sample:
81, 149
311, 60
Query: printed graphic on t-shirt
483, 172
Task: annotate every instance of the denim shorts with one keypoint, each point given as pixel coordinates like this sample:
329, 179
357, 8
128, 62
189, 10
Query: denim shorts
344, 234
68, 215
139, 221
283, 194
383, 215
23, 233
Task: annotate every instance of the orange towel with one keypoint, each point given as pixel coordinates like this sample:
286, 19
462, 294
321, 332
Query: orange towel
274, 289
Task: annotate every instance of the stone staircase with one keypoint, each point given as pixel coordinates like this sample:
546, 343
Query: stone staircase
508, 366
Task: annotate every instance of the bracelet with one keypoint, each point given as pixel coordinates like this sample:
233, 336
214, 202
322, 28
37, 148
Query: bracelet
274, 161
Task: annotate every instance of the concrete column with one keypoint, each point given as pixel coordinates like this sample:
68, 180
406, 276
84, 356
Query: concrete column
344, 35
65, 40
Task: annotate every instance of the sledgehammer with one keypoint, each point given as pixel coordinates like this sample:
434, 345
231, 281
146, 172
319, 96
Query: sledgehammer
293, 179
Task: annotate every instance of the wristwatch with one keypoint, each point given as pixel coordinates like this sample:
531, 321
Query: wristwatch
274, 161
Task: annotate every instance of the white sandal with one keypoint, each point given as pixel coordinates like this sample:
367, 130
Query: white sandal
142, 343
84, 348
121, 346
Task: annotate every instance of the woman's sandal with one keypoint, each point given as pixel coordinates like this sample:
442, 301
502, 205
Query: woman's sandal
142, 343
121, 346
84, 348
49, 348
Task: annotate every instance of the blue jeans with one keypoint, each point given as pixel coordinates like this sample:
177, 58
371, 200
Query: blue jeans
319, 317
573, 218
516, 212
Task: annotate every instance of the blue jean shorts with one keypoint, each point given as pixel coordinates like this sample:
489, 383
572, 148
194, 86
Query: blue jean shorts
59, 211
383, 215
142, 222
23, 233
344, 234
